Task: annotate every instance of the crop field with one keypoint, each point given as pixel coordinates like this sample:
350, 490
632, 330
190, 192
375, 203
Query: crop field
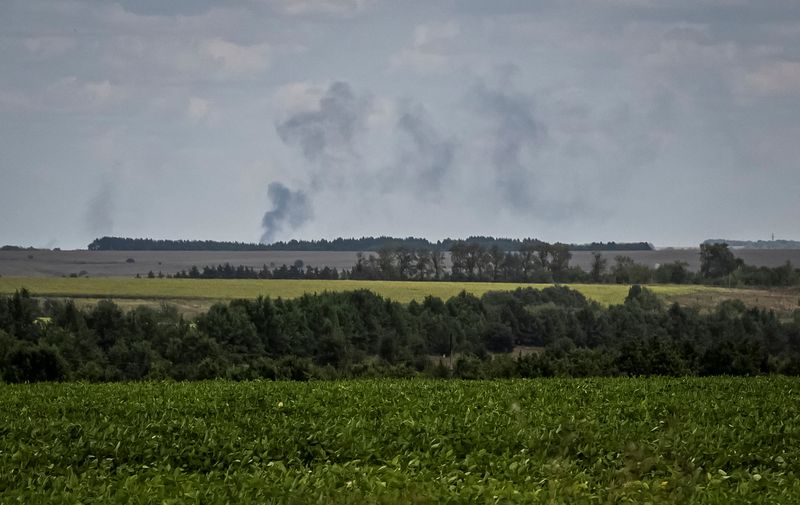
714, 440
226, 289
47, 263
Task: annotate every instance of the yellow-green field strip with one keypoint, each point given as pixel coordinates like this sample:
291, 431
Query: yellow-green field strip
226, 289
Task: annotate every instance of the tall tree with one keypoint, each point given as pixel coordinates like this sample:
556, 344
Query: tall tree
599, 264
717, 261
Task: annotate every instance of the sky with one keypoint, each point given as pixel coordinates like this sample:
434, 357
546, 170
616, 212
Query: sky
260, 120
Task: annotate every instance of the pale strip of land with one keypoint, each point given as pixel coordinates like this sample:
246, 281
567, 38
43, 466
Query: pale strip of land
227, 289
193, 296
47, 263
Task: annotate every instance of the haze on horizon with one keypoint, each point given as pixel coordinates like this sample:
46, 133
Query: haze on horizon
625, 120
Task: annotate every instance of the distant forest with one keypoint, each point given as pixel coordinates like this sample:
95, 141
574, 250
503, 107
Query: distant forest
757, 244
344, 244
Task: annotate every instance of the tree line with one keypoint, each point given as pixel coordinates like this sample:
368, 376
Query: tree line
341, 244
361, 334
757, 244
718, 267
534, 262
298, 270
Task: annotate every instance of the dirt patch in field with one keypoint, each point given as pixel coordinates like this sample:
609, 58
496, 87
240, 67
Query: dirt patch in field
782, 301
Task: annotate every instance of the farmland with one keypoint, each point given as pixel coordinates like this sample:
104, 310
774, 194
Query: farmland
193, 296
226, 289
47, 263
713, 440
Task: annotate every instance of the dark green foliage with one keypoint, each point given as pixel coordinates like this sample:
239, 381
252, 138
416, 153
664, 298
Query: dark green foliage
643, 298
298, 270
659, 440
531, 261
19, 315
230, 325
717, 261
106, 321
626, 271
26, 362
468, 366
676, 272
360, 334
497, 337
339, 244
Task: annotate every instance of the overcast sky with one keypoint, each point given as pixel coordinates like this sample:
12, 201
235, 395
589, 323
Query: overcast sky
666, 121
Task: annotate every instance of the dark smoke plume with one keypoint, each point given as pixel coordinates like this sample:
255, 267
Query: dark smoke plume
327, 132
289, 208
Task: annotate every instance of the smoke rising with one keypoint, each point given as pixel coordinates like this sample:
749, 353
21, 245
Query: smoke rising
514, 129
289, 209
327, 132
427, 157
98, 219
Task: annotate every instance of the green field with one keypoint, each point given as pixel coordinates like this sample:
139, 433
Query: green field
717, 440
226, 289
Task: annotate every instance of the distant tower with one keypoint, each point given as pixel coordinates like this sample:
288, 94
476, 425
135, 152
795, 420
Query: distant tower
773, 237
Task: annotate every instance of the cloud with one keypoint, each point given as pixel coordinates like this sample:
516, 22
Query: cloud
183, 8
47, 46
72, 94
294, 97
613, 98
236, 59
777, 78
317, 7
429, 48
197, 109
290, 209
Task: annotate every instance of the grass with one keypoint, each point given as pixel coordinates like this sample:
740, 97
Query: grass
205, 289
690, 440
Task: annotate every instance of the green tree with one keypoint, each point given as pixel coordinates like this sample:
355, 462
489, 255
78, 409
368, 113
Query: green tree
676, 272
497, 257
497, 337
717, 261
231, 326
106, 319
386, 263
27, 362
599, 264
643, 298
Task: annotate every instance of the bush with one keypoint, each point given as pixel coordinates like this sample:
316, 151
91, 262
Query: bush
33, 363
498, 338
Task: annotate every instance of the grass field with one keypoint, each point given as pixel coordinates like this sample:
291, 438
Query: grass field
225, 289
713, 440
192, 296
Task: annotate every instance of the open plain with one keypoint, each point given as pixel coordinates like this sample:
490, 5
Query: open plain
228, 289
50, 263
192, 296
